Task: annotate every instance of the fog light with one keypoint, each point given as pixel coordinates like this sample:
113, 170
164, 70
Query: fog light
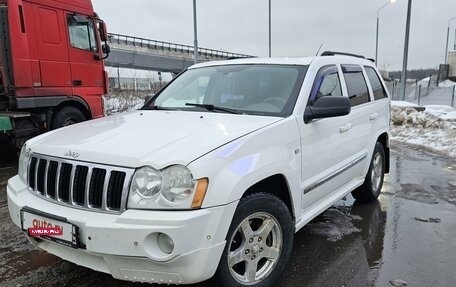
165, 243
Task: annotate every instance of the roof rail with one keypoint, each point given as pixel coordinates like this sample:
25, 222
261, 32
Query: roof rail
332, 53
239, 57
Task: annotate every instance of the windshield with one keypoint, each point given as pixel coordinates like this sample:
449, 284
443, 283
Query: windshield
249, 89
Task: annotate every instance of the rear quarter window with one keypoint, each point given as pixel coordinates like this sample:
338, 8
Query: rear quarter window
376, 84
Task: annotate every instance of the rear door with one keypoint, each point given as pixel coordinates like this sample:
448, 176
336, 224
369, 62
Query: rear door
362, 109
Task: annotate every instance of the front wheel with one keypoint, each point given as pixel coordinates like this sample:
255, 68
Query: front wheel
259, 243
67, 116
370, 190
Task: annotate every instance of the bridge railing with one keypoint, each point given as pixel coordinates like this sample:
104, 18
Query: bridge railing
171, 47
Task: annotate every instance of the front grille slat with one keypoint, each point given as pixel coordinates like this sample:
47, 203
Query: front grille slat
96, 187
35, 180
105, 189
51, 179
40, 176
31, 173
78, 184
64, 182
59, 168
87, 188
70, 193
114, 192
46, 177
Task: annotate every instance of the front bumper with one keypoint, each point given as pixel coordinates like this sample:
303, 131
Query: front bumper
125, 245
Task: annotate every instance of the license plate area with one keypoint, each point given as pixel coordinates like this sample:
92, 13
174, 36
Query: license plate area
31, 218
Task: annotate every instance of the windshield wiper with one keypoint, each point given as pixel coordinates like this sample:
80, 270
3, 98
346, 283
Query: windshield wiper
214, 108
155, 108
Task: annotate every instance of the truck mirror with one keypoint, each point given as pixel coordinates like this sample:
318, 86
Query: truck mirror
106, 49
103, 31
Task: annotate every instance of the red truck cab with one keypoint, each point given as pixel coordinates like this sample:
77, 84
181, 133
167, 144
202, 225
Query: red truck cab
51, 65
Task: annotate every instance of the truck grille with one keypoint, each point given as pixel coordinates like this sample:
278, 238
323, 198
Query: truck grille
79, 184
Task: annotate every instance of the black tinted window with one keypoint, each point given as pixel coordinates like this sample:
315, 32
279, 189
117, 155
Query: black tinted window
356, 85
377, 87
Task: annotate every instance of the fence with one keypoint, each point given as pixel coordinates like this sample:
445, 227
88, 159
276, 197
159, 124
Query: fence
424, 94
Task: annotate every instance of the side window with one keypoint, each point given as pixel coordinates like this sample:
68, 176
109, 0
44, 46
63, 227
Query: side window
376, 84
82, 32
356, 85
326, 83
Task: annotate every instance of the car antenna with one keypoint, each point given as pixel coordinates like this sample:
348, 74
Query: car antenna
316, 54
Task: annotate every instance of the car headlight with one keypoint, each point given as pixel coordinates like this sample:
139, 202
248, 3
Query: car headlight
172, 187
24, 159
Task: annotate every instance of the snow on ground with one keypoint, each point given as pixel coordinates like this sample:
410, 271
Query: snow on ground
433, 129
447, 83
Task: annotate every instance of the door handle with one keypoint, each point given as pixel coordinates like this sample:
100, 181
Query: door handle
345, 128
373, 116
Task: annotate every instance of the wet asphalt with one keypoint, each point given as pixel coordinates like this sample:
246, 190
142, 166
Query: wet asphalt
407, 236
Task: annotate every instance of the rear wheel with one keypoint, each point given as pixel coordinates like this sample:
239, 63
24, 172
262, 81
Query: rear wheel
370, 190
259, 243
67, 116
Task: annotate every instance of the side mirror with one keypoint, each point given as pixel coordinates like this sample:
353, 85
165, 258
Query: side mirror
106, 49
326, 107
103, 31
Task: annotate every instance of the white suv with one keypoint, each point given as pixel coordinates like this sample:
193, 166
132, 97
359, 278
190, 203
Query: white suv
214, 175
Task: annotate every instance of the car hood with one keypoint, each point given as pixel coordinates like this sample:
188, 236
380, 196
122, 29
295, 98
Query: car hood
156, 138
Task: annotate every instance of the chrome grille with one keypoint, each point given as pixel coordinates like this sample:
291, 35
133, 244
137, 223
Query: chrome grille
79, 184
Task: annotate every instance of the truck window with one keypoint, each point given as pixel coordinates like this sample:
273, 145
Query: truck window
82, 32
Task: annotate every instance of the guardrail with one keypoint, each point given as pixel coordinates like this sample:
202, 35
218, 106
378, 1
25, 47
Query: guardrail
172, 47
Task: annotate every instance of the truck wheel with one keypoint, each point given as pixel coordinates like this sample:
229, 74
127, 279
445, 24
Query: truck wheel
67, 116
258, 244
370, 190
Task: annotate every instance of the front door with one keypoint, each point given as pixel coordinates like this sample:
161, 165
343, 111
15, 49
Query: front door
326, 147
86, 66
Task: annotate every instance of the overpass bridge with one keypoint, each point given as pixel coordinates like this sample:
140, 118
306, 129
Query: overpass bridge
146, 54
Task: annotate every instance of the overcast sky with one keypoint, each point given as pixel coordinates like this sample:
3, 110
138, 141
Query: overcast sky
299, 27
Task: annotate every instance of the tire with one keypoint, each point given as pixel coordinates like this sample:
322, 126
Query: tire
265, 251
67, 116
372, 186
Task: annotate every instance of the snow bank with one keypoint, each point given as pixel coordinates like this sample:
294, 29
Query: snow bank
434, 128
447, 83
403, 104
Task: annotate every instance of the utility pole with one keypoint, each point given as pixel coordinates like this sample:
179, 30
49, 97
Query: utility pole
406, 47
195, 43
